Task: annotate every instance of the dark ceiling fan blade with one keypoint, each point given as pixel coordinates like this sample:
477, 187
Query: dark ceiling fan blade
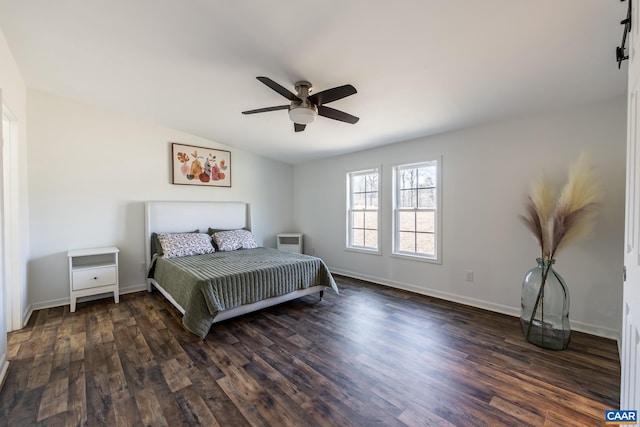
264, 110
330, 95
334, 114
298, 127
280, 89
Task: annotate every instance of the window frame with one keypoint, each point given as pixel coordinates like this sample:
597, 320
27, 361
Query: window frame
349, 246
436, 258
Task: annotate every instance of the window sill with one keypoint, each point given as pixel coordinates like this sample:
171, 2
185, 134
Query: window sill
417, 258
364, 251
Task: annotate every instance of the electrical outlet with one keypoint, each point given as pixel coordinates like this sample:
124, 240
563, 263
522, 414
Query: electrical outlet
143, 267
468, 276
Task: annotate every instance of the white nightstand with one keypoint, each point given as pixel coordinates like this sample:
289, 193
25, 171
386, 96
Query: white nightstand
93, 271
290, 242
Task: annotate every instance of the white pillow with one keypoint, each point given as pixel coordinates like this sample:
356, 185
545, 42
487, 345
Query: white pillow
231, 240
184, 244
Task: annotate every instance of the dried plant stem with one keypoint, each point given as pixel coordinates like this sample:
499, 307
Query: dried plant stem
545, 273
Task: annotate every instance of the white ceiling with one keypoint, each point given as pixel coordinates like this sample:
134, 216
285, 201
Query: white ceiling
420, 67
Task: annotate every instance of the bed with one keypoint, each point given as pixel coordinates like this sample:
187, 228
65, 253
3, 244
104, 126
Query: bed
211, 287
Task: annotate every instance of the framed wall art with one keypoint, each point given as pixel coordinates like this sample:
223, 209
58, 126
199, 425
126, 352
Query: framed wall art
200, 166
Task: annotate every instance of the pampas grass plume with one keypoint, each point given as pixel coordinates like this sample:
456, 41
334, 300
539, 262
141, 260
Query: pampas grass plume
557, 223
543, 196
539, 207
576, 207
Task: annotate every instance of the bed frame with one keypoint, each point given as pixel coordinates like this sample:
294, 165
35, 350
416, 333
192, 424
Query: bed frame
172, 217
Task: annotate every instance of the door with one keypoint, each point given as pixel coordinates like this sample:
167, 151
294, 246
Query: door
630, 349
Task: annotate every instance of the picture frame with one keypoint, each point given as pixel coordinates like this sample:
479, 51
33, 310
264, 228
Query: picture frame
204, 166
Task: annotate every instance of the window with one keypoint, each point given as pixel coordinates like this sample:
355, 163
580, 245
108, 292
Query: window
416, 210
363, 216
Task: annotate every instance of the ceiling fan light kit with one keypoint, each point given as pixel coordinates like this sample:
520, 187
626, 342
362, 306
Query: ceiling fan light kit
303, 115
304, 108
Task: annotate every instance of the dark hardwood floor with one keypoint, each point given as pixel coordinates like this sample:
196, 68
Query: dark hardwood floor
371, 356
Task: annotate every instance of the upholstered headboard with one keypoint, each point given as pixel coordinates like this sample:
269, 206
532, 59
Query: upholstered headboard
173, 217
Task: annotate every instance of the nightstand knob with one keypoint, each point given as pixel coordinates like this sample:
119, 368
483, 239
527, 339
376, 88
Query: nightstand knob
95, 278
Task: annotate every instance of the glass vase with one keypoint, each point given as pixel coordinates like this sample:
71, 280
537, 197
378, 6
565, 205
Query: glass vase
545, 307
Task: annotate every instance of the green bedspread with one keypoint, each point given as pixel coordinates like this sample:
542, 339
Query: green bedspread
206, 284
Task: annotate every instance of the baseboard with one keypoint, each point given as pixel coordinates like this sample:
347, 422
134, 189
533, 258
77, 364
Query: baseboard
133, 288
4, 368
591, 329
27, 315
486, 305
49, 304
58, 302
473, 302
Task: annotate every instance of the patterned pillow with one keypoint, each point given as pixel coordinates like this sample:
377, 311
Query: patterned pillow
184, 244
234, 239
156, 247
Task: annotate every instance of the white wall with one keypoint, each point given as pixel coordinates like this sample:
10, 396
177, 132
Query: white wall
16, 242
90, 171
487, 172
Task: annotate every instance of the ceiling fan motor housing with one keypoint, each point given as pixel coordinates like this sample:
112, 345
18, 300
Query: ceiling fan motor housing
303, 88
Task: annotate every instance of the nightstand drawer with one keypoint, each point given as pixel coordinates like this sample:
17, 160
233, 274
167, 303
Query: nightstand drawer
94, 277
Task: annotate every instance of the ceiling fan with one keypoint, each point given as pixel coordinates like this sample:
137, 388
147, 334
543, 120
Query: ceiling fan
304, 108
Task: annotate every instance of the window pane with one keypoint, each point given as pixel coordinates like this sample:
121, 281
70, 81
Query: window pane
407, 221
371, 182
408, 178
408, 198
371, 220
425, 222
422, 177
427, 176
407, 242
426, 243
371, 200
357, 220
357, 183
358, 201
358, 237
427, 198
371, 238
